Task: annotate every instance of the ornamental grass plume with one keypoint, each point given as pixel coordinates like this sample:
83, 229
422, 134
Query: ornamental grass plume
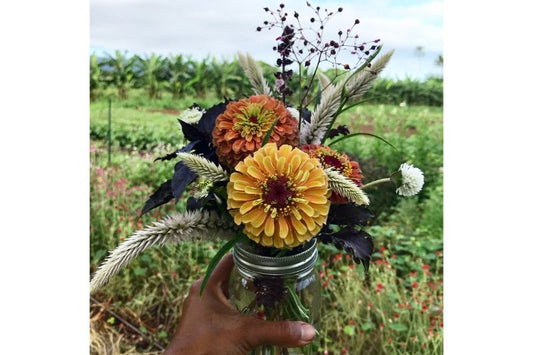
203, 167
340, 162
280, 195
176, 228
240, 130
255, 74
346, 187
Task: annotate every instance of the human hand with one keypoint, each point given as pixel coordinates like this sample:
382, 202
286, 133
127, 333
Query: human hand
211, 325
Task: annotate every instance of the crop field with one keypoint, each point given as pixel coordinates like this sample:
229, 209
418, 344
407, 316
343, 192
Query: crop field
398, 310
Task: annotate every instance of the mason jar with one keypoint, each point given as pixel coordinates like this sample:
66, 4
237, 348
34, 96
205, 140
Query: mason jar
277, 287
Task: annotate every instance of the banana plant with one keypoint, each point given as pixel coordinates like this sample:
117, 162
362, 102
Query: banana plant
96, 78
151, 71
226, 77
178, 72
121, 72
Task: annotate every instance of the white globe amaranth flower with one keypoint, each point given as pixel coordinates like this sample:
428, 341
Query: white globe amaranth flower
191, 115
412, 180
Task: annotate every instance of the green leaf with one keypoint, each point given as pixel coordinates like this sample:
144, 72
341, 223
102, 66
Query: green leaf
349, 329
269, 133
216, 259
143, 329
139, 271
360, 134
111, 320
367, 326
162, 334
399, 327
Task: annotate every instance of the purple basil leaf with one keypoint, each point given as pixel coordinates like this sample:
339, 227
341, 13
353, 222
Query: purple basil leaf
191, 131
161, 196
207, 122
356, 242
349, 214
183, 176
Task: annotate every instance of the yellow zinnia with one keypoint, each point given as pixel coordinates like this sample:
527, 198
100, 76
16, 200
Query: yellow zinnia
280, 195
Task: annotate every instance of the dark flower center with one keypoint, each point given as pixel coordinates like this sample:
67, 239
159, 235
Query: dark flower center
253, 119
333, 162
278, 192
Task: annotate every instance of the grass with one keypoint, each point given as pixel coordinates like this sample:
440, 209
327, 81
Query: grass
399, 311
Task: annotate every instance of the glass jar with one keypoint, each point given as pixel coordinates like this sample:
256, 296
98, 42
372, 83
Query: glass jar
281, 287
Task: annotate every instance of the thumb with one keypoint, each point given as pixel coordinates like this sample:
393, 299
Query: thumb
281, 333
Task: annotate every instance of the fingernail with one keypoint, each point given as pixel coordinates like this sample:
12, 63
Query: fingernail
308, 332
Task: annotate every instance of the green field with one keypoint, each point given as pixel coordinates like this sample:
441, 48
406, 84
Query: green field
399, 311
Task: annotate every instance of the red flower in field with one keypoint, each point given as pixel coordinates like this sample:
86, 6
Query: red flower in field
425, 267
438, 253
382, 248
344, 351
414, 284
396, 315
239, 131
340, 162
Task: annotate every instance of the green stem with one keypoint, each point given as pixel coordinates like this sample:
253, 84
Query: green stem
376, 182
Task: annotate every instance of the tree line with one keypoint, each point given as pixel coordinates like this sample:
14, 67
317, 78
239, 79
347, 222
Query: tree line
181, 76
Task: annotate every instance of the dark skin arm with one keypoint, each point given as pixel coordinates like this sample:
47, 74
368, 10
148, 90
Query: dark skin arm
211, 325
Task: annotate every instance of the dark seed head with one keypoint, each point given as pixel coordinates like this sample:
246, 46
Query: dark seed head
312, 19
357, 21
258, 29
340, 9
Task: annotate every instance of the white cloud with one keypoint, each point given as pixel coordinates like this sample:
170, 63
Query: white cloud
199, 28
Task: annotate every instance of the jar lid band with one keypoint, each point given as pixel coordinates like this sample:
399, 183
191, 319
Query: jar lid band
252, 264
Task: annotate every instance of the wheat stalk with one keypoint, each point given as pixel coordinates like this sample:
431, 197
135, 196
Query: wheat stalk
362, 81
255, 74
177, 228
346, 187
325, 82
321, 118
203, 167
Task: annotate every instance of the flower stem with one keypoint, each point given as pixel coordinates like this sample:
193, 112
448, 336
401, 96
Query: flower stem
376, 182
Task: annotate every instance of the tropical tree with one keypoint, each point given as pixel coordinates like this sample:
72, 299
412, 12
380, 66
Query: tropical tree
201, 79
226, 77
121, 72
150, 71
178, 73
96, 79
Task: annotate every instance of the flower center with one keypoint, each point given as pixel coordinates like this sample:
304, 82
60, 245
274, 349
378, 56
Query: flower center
253, 120
335, 161
278, 195
332, 161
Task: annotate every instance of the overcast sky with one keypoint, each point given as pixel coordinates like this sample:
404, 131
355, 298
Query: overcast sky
223, 28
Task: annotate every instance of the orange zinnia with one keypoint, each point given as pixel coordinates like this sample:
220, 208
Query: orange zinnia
239, 131
280, 195
340, 162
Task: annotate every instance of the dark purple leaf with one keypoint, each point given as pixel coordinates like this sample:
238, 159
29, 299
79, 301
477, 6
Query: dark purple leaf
207, 122
356, 242
161, 196
191, 132
183, 176
349, 214
341, 129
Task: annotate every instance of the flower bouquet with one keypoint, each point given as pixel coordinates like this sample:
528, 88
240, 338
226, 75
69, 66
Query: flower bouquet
261, 173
